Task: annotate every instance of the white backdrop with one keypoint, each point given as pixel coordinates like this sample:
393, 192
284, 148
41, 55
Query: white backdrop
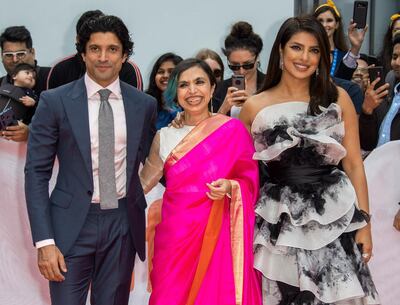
382, 168
157, 27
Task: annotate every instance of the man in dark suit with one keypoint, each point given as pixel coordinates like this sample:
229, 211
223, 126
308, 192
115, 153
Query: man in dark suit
88, 230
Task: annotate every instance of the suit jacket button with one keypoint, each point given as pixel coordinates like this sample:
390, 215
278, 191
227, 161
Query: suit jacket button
90, 193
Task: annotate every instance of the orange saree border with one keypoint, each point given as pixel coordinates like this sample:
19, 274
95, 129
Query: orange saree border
207, 248
210, 240
195, 136
237, 239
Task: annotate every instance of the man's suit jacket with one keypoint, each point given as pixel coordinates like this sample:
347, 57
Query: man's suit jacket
60, 128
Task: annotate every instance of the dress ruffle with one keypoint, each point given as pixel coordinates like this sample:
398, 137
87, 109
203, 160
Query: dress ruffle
305, 232
326, 139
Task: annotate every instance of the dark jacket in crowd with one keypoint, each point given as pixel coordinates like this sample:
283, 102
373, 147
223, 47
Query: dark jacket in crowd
353, 90
10, 98
73, 67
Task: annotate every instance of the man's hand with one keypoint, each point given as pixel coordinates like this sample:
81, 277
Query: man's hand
51, 263
374, 97
18, 133
179, 120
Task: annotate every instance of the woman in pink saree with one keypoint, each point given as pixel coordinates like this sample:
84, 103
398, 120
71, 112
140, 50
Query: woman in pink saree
203, 246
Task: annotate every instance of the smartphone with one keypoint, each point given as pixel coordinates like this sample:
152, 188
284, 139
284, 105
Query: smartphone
238, 82
360, 11
7, 118
374, 73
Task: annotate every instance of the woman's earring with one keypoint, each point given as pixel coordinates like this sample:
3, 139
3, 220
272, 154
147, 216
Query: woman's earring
317, 72
280, 63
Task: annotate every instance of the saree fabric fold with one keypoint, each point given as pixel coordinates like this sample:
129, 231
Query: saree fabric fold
203, 250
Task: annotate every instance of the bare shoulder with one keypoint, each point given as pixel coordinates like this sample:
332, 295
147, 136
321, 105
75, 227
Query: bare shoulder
257, 102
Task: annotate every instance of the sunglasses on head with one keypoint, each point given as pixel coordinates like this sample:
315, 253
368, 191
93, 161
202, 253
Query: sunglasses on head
247, 66
217, 73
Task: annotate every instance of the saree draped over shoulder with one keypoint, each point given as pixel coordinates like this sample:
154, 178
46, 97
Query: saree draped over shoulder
203, 251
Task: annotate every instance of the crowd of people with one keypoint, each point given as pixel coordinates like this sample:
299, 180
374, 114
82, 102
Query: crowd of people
266, 198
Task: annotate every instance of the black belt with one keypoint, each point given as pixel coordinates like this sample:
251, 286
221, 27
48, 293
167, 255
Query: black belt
298, 174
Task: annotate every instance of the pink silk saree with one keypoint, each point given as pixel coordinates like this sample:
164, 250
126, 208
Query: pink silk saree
203, 250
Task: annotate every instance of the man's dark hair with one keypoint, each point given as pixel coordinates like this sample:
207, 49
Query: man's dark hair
104, 24
86, 16
16, 34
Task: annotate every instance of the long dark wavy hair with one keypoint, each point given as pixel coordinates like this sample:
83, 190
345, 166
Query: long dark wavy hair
338, 35
322, 91
385, 55
153, 89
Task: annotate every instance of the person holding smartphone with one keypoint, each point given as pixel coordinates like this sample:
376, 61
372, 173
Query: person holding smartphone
343, 60
242, 49
380, 118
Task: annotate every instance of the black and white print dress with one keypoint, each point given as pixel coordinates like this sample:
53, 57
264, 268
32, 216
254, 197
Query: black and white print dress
307, 213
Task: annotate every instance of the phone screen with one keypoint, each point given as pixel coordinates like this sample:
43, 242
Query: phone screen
374, 73
238, 82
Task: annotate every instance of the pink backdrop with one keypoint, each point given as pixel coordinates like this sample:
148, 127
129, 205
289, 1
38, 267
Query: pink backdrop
21, 283
20, 280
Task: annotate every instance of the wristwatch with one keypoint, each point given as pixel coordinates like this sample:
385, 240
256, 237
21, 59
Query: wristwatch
365, 215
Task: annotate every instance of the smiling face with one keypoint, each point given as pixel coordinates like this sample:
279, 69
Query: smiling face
301, 55
24, 78
396, 60
103, 57
163, 74
194, 91
14, 53
360, 75
328, 21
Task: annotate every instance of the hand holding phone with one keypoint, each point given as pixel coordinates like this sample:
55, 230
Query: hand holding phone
7, 118
374, 73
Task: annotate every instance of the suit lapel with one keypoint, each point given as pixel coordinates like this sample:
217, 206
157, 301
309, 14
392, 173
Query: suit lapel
134, 118
76, 108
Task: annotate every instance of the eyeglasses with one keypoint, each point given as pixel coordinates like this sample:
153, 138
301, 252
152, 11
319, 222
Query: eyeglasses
18, 54
217, 73
247, 66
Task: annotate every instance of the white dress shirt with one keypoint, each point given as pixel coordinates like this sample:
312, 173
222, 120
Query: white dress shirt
118, 109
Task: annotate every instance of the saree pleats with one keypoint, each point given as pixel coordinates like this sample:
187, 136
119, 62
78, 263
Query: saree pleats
203, 249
